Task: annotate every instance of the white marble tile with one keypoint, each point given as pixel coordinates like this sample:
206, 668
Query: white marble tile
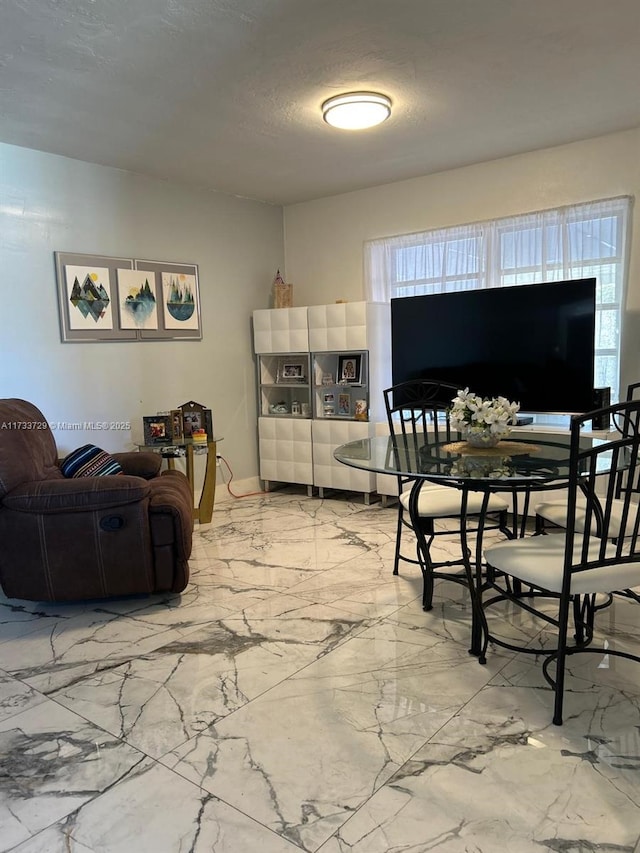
54, 839
303, 756
575, 787
253, 530
293, 502
19, 617
256, 574
15, 696
310, 548
363, 585
298, 697
510, 797
53, 762
159, 700
534, 785
56, 656
209, 597
153, 810
296, 501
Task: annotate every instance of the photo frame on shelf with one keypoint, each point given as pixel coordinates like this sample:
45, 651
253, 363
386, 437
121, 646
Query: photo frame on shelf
290, 370
350, 369
344, 404
157, 429
177, 427
328, 404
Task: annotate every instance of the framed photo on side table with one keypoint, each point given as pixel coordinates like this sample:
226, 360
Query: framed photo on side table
157, 429
177, 428
192, 417
195, 416
350, 369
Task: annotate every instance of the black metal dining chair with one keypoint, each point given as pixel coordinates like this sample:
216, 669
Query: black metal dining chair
553, 513
414, 409
597, 553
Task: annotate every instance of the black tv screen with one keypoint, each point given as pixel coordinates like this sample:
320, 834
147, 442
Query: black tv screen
530, 343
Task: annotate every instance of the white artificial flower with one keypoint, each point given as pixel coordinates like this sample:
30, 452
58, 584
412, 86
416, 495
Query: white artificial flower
463, 396
471, 413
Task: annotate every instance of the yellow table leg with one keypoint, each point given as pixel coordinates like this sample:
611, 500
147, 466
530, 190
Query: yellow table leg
204, 511
190, 475
208, 496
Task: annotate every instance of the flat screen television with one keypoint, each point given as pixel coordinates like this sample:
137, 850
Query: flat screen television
531, 343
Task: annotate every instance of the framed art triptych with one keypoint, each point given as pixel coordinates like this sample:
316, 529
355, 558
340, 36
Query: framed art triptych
103, 298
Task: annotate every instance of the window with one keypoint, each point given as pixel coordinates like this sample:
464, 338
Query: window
580, 241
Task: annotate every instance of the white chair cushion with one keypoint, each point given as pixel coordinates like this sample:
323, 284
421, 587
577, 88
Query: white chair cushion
556, 513
445, 502
539, 561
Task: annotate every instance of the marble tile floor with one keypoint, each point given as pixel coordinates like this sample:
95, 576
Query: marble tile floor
296, 697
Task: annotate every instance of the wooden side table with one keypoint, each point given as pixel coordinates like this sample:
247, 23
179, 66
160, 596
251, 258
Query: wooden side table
204, 511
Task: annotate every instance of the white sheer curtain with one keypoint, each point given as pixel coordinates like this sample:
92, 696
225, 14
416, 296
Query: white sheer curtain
577, 241
427, 262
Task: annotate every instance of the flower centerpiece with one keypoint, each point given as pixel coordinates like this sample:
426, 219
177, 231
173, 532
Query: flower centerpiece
478, 467
483, 421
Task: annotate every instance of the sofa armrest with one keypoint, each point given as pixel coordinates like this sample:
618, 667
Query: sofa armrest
171, 512
82, 494
144, 464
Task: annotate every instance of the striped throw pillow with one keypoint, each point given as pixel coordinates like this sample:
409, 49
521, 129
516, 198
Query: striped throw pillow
89, 461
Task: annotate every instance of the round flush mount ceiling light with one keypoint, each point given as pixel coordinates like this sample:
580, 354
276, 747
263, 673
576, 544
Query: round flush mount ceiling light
356, 110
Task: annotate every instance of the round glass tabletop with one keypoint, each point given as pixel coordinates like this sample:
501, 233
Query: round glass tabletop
523, 457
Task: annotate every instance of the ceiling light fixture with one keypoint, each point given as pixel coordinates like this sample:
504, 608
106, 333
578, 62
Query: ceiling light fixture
356, 110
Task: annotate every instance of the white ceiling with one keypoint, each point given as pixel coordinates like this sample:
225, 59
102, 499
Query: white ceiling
226, 93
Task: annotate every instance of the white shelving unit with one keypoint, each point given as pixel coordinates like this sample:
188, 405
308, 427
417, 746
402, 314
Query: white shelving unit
285, 390
281, 343
350, 345
340, 385
321, 373
285, 451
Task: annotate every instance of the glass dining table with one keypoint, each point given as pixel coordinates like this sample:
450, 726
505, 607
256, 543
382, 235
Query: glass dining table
523, 463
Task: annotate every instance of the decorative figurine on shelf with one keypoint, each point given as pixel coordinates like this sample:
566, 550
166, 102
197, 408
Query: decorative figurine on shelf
199, 436
282, 293
360, 410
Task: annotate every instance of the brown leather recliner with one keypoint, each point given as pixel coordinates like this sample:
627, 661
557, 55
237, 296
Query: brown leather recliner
87, 537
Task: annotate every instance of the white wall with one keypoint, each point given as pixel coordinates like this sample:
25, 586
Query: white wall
324, 238
50, 203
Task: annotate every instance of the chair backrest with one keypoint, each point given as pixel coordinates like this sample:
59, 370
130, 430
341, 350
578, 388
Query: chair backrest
625, 483
27, 447
420, 405
417, 407
613, 517
633, 391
